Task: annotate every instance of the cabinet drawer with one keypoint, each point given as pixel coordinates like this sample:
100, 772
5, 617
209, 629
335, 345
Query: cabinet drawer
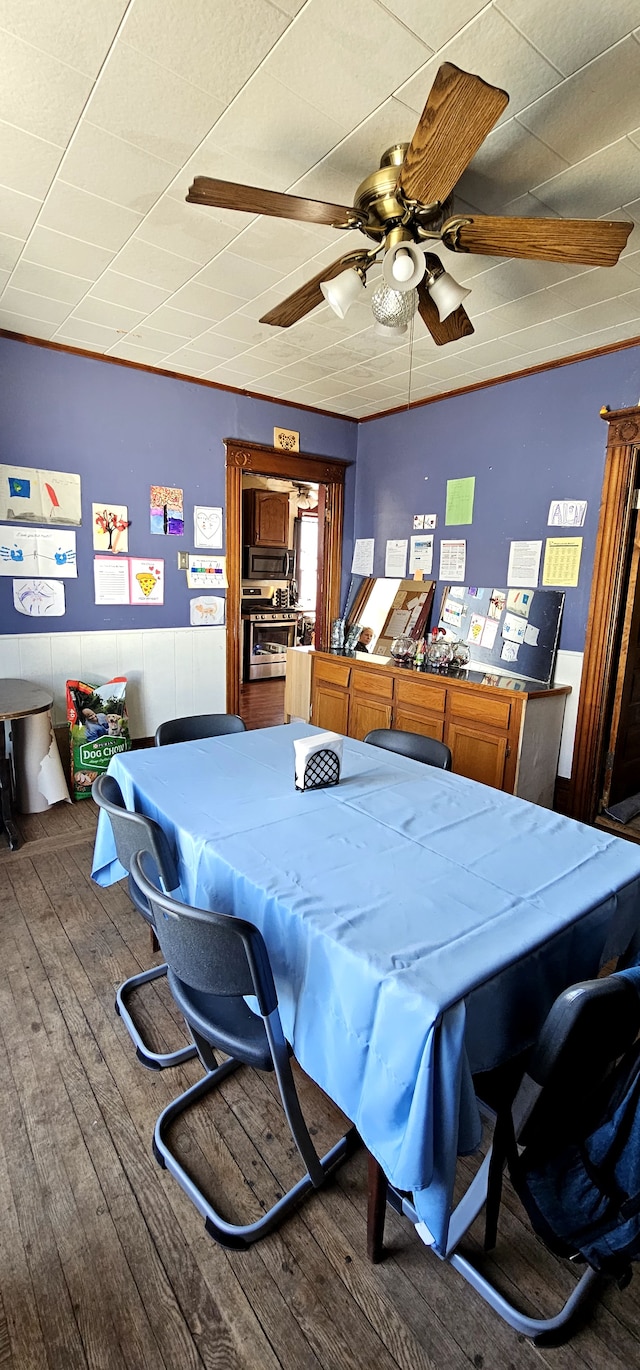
479, 709
336, 672
421, 694
372, 683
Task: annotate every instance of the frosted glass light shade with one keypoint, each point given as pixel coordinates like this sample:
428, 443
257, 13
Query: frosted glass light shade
446, 294
403, 266
343, 291
394, 307
386, 330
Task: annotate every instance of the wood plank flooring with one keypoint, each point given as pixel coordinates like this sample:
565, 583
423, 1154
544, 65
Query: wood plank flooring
262, 703
104, 1264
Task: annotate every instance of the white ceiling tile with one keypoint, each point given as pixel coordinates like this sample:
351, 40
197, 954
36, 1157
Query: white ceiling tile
247, 366
129, 351
571, 34
109, 315
81, 215
632, 261
78, 32
233, 379
190, 357
21, 323
435, 24
214, 45
33, 306
508, 163
148, 336
27, 163
360, 53
145, 262
83, 330
211, 305
604, 315
270, 128
91, 344
150, 107
494, 50
497, 350
527, 310
185, 229
10, 249
596, 186
176, 321
182, 368
219, 349
609, 85
138, 295
239, 276
633, 208
601, 283
106, 165
48, 248
280, 244
541, 334
38, 93
4, 277
18, 212
53, 285
338, 175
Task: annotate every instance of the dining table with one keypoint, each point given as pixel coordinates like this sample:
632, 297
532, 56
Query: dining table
419, 924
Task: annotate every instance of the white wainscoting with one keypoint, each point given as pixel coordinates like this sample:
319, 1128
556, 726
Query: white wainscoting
568, 672
171, 672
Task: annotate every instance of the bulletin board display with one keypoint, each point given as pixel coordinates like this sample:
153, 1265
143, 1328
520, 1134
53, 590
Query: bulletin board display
508, 632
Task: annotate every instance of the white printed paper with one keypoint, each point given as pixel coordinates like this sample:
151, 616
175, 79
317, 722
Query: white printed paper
362, 563
395, 563
524, 563
31, 496
509, 651
398, 623
207, 526
430, 520
456, 591
207, 609
39, 598
111, 580
531, 635
421, 555
146, 580
418, 520
40, 552
452, 613
567, 513
513, 628
453, 559
489, 634
207, 573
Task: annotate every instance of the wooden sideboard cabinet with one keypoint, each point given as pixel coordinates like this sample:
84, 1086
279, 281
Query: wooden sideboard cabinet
506, 738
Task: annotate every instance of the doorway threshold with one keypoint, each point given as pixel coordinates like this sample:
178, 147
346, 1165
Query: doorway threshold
630, 831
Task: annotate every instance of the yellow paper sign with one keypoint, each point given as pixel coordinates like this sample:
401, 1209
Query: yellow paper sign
562, 561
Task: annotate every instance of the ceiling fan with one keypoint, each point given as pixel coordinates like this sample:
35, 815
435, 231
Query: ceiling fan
407, 203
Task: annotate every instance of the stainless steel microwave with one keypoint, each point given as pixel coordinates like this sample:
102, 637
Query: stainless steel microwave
269, 563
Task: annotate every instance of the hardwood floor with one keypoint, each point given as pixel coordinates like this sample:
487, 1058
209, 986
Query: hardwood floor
262, 703
104, 1264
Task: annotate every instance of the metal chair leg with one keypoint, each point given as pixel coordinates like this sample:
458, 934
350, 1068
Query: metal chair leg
153, 1060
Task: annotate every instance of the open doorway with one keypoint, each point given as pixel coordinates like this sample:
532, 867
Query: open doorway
290, 535
279, 588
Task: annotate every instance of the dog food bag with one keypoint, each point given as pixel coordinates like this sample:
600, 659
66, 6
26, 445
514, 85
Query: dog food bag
98, 728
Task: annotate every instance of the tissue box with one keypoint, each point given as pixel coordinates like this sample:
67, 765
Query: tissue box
318, 760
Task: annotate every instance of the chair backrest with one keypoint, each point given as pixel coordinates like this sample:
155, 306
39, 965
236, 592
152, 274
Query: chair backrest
216, 953
425, 749
587, 1030
133, 832
193, 729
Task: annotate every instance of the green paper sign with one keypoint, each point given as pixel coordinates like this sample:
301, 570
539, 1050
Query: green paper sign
460, 495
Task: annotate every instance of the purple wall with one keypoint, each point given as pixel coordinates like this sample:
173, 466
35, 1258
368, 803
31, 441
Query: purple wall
123, 430
526, 441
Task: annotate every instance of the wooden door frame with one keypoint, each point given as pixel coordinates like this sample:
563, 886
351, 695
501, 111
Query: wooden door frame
605, 606
262, 460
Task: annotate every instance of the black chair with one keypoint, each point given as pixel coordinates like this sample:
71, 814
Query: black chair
589, 1027
133, 832
201, 725
215, 960
425, 749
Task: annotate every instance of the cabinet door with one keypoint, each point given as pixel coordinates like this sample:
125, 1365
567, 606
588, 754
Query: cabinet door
429, 725
478, 754
366, 714
330, 709
271, 518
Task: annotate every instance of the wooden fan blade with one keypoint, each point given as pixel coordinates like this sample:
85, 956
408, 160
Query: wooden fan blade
460, 111
252, 200
308, 296
591, 242
458, 325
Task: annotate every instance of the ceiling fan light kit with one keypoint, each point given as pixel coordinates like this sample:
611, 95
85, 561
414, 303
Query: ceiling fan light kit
407, 203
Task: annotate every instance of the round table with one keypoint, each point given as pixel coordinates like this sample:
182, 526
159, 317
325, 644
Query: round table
38, 775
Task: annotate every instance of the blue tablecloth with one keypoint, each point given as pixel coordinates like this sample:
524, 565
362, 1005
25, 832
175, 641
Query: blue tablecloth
419, 924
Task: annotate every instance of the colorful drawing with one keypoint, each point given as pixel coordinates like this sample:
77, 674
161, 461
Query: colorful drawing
32, 496
146, 581
110, 527
207, 526
166, 510
37, 552
39, 598
207, 609
497, 603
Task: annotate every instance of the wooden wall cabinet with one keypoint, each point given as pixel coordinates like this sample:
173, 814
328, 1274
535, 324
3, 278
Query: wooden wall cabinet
265, 518
509, 740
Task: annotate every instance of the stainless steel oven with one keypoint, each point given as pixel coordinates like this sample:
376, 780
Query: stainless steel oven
266, 638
